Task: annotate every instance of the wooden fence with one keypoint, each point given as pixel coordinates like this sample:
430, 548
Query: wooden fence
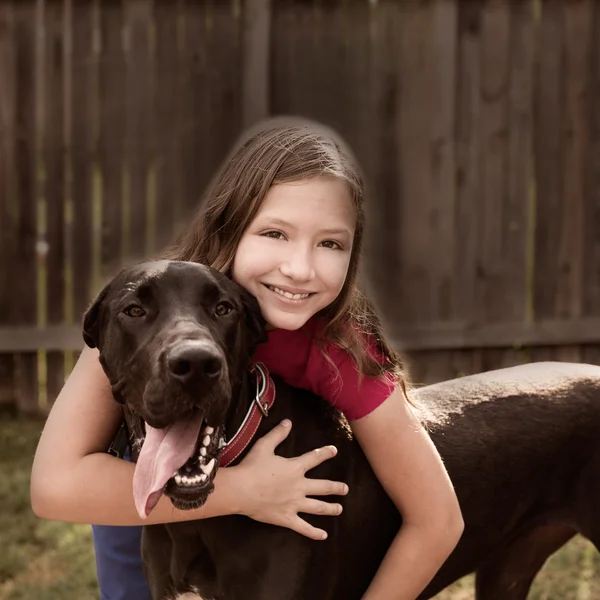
476, 123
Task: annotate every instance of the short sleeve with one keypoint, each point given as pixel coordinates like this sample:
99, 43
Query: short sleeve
297, 358
354, 396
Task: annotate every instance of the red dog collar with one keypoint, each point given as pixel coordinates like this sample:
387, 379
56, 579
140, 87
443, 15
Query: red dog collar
264, 399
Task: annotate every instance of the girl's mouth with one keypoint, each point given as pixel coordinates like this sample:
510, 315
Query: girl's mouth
288, 295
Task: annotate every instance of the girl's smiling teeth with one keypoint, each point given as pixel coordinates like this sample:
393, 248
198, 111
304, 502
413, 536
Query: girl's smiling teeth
287, 294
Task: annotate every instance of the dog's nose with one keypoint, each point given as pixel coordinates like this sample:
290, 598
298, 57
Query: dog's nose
189, 360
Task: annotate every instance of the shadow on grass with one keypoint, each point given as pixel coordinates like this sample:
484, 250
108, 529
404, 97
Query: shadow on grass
45, 560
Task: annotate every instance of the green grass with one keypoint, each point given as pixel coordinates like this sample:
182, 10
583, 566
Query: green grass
45, 560
39, 559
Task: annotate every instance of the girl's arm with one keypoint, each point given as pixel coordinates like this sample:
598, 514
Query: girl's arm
411, 471
74, 479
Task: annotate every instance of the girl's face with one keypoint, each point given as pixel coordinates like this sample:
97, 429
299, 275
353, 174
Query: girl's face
294, 255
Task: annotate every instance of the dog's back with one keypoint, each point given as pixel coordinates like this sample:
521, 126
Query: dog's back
515, 442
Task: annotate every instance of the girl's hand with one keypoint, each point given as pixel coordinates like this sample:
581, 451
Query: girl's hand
276, 490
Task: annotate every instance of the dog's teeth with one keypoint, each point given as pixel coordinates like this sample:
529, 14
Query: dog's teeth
203, 477
185, 479
209, 467
177, 478
209, 429
206, 440
202, 451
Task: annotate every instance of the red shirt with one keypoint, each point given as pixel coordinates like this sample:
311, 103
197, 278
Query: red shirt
297, 358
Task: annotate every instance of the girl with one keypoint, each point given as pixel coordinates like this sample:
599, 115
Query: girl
283, 218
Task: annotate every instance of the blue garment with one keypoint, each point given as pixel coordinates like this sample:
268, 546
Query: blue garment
119, 567
119, 563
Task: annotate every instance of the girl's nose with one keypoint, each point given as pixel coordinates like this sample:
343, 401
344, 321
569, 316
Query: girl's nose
298, 266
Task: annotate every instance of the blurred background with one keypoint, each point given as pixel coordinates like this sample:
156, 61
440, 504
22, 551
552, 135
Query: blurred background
476, 123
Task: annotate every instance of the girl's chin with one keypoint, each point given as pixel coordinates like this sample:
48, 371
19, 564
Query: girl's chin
288, 321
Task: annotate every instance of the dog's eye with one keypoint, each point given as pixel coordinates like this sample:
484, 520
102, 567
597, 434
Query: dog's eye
223, 308
134, 311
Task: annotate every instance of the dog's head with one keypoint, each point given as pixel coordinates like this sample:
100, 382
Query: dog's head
174, 338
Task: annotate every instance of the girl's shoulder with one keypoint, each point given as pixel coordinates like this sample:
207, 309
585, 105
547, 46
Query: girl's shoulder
304, 359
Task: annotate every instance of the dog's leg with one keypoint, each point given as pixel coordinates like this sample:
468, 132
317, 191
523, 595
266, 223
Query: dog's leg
586, 516
509, 574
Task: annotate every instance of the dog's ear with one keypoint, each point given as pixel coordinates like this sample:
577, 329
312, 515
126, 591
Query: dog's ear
91, 320
255, 322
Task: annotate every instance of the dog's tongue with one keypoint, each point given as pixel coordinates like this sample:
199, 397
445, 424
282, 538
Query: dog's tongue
163, 452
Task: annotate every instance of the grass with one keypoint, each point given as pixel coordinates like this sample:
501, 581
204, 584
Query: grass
45, 560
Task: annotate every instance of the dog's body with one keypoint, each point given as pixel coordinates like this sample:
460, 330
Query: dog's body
522, 447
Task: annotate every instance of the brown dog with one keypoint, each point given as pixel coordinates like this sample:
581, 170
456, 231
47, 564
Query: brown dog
522, 446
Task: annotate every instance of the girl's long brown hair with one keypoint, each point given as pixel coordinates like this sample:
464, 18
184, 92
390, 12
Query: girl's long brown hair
284, 150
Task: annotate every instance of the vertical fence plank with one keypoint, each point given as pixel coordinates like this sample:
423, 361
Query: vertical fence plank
468, 151
194, 105
256, 61
379, 162
414, 168
578, 20
138, 16
8, 192
82, 153
517, 228
591, 291
169, 173
495, 38
111, 134
225, 54
54, 188
548, 154
468, 174
25, 285
443, 159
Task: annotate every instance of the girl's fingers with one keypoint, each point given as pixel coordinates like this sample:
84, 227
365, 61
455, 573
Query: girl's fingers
324, 487
271, 440
314, 458
300, 526
311, 506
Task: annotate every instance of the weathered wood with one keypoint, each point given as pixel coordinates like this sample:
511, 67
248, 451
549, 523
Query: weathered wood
548, 156
442, 217
256, 61
169, 170
24, 286
484, 187
447, 335
195, 105
382, 262
82, 151
468, 151
415, 244
518, 231
54, 185
591, 256
8, 190
495, 41
138, 152
222, 123
111, 140
578, 21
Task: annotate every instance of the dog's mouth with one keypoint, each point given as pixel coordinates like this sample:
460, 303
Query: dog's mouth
179, 461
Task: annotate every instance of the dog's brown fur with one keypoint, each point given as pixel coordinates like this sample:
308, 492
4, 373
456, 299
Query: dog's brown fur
522, 446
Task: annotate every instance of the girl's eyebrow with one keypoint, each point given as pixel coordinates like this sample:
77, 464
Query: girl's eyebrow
326, 231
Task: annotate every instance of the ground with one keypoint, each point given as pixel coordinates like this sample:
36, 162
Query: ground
45, 560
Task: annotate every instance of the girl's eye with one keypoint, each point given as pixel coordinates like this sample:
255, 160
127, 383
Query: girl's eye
223, 308
134, 311
332, 245
276, 235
